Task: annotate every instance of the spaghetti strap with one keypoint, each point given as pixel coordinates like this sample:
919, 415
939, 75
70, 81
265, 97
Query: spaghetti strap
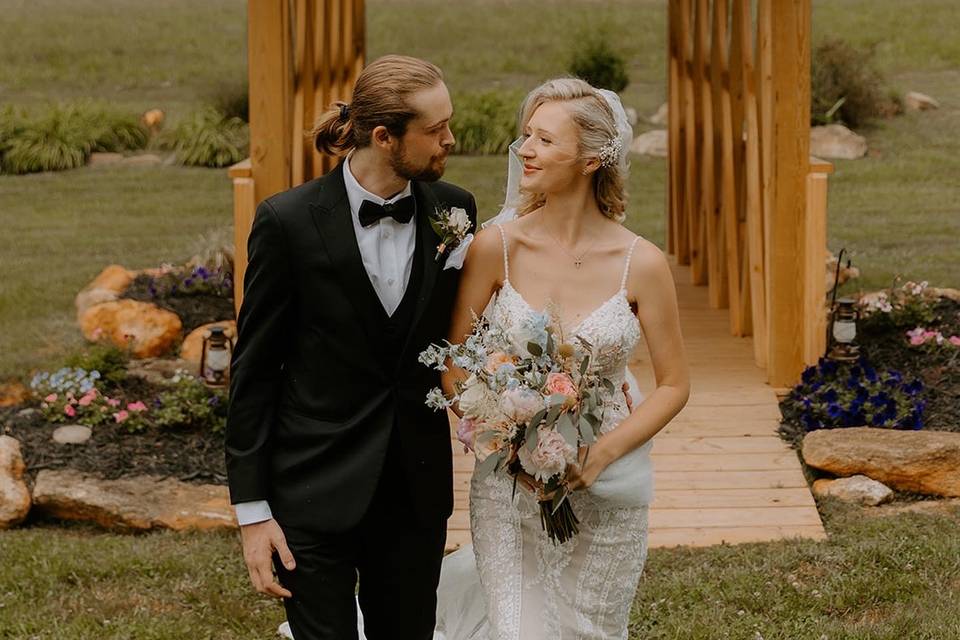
626, 267
506, 262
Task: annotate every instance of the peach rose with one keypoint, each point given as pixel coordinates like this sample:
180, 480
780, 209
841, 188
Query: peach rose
561, 384
495, 360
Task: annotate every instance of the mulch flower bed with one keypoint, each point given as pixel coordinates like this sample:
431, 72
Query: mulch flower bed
195, 306
190, 455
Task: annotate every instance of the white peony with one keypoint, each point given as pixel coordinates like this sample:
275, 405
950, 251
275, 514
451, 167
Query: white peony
550, 457
477, 399
521, 404
459, 220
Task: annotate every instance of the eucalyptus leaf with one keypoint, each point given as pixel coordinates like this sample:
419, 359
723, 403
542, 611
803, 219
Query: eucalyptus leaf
566, 428
486, 467
534, 349
552, 415
586, 431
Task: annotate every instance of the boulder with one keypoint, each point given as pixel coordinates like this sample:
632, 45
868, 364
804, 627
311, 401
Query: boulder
925, 462
662, 115
836, 141
151, 331
72, 434
143, 160
104, 158
106, 287
916, 101
192, 345
13, 394
136, 503
14, 494
153, 119
651, 143
859, 489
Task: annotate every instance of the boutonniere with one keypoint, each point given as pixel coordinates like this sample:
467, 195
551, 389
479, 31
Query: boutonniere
452, 226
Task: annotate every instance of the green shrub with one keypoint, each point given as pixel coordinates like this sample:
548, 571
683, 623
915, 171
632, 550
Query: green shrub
596, 62
846, 87
232, 99
191, 404
485, 123
108, 359
64, 135
208, 138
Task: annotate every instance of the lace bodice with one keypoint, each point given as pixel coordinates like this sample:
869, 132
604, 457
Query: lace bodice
612, 328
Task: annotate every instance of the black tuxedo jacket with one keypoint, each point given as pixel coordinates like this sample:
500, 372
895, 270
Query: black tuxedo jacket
312, 402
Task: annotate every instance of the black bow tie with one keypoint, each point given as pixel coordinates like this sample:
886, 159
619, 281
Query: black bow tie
401, 211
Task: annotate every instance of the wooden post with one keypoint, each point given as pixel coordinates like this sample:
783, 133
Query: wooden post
815, 241
244, 206
790, 83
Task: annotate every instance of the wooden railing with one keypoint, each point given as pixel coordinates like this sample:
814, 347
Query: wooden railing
746, 203
302, 56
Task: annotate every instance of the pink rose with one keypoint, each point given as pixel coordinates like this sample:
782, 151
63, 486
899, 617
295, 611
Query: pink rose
466, 430
113, 402
550, 457
561, 384
86, 400
137, 406
495, 360
51, 398
121, 415
955, 341
69, 410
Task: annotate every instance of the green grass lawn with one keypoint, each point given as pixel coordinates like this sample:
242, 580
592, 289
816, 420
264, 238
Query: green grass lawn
890, 578
896, 211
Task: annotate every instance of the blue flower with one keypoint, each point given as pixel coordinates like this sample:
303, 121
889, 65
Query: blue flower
808, 374
914, 387
834, 410
870, 373
830, 395
879, 399
855, 371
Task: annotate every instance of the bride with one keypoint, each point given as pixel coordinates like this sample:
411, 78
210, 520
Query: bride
559, 243
567, 249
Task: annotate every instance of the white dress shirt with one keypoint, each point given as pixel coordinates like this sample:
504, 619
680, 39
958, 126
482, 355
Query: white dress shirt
386, 248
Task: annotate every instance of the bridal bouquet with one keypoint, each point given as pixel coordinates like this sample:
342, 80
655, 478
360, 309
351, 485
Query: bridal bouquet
530, 402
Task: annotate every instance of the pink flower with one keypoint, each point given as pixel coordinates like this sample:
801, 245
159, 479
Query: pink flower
550, 457
560, 383
466, 429
51, 398
69, 410
955, 341
113, 402
121, 415
521, 404
137, 406
87, 399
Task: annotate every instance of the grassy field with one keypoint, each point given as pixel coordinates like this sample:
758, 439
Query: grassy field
890, 578
896, 211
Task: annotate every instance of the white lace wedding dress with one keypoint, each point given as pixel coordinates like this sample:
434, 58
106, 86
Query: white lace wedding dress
513, 583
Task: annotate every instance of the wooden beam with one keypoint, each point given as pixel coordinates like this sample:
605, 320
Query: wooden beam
815, 241
790, 86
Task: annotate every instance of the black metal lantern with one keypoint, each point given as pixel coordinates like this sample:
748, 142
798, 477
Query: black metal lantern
215, 357
843, 323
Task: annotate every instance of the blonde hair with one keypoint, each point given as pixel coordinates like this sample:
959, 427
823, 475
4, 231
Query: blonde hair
597, 126
379, 98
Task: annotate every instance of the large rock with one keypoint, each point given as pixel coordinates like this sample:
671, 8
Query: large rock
152, 330
920, 461
916, 101
651, 143
14, 494
836, 141
13, 394
72, 434
192, 345
662, 116
136, 503
858, 489
106, 287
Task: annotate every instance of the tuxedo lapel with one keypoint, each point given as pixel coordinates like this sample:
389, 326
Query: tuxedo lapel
427, 205
332, 216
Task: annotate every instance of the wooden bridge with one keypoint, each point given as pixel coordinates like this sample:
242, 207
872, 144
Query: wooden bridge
746, 228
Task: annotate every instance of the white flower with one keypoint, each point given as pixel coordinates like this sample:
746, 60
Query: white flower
521, 404
459, 221
436, 400
434, 356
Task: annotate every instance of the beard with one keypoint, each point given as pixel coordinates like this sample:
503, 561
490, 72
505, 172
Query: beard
431, 171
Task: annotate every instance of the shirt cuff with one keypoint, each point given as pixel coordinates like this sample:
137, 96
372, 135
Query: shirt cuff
252, 512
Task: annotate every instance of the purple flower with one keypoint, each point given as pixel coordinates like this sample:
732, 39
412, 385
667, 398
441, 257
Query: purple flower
834, 410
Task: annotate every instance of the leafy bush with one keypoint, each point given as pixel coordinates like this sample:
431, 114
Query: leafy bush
846, 87
485, 123
833, 394
599, 64
191, 403
208, 138
63, 136
108, 360
232, 99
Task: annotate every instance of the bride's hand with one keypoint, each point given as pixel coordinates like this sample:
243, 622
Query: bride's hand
586, 472
627, 396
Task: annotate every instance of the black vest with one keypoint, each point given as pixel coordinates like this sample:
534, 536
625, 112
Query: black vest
396, 327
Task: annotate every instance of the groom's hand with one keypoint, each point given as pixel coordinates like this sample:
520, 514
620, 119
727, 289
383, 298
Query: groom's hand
260, 540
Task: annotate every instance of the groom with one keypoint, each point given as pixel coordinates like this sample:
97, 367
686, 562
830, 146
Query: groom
338, 469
